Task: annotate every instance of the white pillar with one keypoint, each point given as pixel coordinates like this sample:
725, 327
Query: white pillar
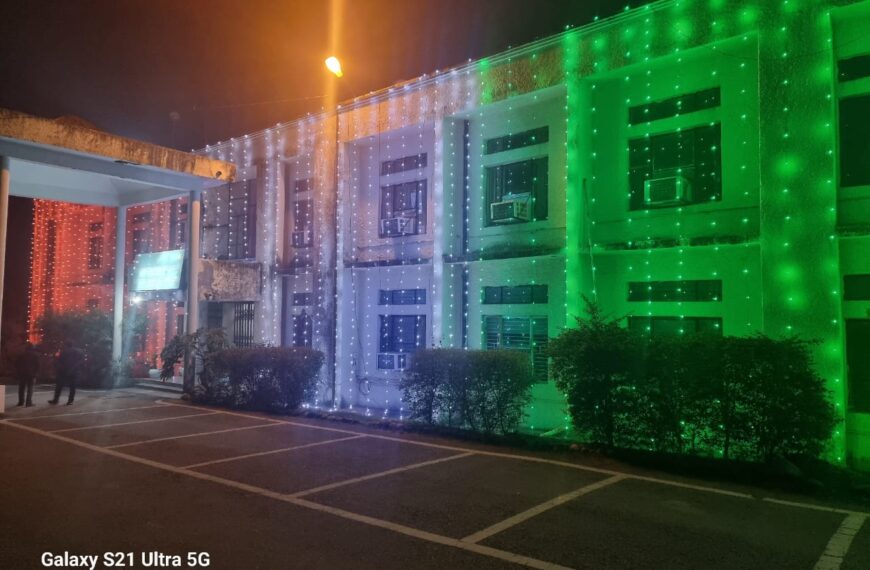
4, 215
191, 307
120, 258
193, 220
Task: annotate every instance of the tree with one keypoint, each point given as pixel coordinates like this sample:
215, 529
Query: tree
90, 331
597, 365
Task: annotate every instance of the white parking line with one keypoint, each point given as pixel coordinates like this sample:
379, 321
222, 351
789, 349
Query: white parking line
49, 416
839, 544
543, 507
378, 474
202, 433
429, 536
401, 529
273, 451
669, 482
815, 507
64, 430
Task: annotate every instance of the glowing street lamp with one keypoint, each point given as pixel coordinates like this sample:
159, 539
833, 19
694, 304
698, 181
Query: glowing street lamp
333, 65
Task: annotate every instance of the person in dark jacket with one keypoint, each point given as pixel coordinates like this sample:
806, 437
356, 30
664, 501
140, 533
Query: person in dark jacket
66, 370
26, 368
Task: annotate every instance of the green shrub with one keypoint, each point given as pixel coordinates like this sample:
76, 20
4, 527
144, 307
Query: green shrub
482, 390
263, 377
597, 365
90, 331
270, 378
498, 389
752, 398
172, 354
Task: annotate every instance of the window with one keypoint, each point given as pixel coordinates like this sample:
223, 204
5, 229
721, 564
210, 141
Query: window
92, 304
517, 140
243, 324
856, 287
674, 106
516, 192
230, 221
854, 68
515, 295
140, 242
402, 297
303, 185
669, 291
403, 209
214, 315
526, 334
95, 253
303, 223
413, 162
301, 299
677, 168
854, 141
302, 330
141, 218
402, 333
676, 325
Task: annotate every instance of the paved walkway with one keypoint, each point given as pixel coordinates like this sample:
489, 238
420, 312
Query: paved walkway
128, 472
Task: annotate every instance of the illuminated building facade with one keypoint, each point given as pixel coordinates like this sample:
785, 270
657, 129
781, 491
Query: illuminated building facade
73, 266
695, 165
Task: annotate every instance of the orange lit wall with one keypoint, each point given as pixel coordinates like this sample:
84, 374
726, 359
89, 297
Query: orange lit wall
73, 262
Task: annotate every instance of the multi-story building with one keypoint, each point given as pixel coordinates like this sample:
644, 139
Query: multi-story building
697, 166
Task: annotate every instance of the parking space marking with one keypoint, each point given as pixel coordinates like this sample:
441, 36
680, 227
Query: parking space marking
815, 507
839, 544
261, 453
64, 430
379, 474
401, 529
543, 507
50, 416
430, 536
116, 446
672, 483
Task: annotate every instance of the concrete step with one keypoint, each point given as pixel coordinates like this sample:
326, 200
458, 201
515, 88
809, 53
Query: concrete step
159, 386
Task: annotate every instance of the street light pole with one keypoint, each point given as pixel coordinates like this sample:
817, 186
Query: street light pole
334, 66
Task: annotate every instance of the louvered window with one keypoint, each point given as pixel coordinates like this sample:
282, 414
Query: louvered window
526, 334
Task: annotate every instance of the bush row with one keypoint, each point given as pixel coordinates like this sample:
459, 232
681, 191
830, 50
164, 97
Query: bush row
270, 378
749, 397
483, 390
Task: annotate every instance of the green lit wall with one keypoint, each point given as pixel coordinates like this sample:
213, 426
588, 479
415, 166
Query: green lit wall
779, 235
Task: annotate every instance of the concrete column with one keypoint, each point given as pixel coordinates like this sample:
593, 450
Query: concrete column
4, 215
120, 258
193, 221
191, 307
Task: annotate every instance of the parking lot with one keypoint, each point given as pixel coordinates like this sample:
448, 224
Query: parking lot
123, 471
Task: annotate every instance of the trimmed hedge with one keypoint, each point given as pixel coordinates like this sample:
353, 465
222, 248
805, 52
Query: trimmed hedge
752, 398
483, 390
271, 378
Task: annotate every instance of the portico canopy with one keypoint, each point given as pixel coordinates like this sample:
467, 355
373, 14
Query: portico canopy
69, 160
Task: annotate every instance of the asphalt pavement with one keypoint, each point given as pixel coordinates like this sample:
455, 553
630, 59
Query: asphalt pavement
143, 478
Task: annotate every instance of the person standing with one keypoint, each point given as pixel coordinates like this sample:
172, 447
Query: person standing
66, 370
26, 368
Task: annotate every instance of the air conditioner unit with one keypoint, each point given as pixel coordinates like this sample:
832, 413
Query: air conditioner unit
666, 190
512, 208
302, 238
400, 226
392, 361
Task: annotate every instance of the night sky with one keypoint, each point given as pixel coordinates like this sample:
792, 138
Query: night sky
223, 68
